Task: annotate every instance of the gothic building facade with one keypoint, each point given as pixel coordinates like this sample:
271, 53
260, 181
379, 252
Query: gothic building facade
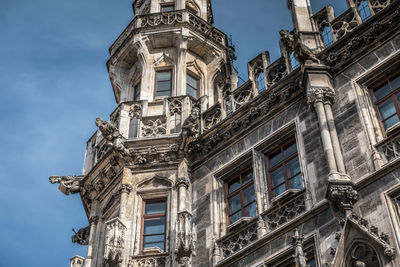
298, 166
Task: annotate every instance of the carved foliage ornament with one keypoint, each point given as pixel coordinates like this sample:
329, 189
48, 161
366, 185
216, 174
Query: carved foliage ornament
115, 238
342, 196
321, 94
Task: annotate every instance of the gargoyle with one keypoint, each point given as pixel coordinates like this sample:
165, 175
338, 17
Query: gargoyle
302, 53
68, 184
112, 135
82, 236
190, 128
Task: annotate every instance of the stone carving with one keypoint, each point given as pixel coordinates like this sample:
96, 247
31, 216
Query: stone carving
101, 150
161, 19
299, 256
276, 72
232, 244
154, 127
321, 94
342, 196
68, 184
135, 111
154, 155
126, 188
212, 117
151, 262
175, 106
115, 238
390, 147
302, 53
184, 243
344, 24
378, 5
112, 135
190, 128
242, 95
285, 213
206, 28
322, 21
370, 35
82, 236
266, 106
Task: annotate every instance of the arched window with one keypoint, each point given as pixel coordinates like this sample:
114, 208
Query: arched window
327, 36
361, 254
363, 10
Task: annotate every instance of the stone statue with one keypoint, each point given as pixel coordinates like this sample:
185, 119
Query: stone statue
190, 128
68, 184
82, 236
302, 53
113, 136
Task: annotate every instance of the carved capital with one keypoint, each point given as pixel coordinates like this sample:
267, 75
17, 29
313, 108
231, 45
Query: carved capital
182, 182
322, 94
389, 253
126, 188
342, 197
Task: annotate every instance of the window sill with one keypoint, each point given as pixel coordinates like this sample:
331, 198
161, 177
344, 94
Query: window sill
152, 251
286, 196
395, 129
242, 222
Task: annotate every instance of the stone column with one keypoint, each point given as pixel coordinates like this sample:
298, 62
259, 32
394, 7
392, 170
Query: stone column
125, 191
93, 224
77, 261
181, 67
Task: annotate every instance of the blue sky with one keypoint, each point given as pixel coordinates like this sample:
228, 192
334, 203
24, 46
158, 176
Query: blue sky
54, 83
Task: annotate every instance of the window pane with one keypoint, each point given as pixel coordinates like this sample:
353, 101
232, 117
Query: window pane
293, 167
236, 217
395, 83
247, 178
275, 159
234, 204
290, 150
277, 177
387, 109
327, 36
154, 226
381, 92
164, 75
234, 185
153, 241
164, 93
191, 81
164, 86
191, 91
133, 127
312, 263
250, 211
390, 122
167, 8
279, 190
296, 182
155, 207
364, 11
248, 195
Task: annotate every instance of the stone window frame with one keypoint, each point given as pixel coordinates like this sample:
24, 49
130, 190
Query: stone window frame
220, 207
367, 109
166, 193
284, 256
287, 132
393, 209
240, 192
153, 216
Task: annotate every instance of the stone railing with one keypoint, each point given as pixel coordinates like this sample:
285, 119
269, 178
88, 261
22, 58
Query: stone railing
345, 23
100, 150
156, 260
212, 116
390, 146
242, 95
276, 72
176, 17
238, 239
284, 213
115, 239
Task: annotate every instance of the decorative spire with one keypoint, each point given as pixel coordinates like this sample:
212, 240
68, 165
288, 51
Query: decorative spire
299, 257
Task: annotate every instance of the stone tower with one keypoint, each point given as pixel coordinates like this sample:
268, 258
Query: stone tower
298, 166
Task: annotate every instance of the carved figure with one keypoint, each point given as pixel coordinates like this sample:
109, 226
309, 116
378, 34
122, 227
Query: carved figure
113, 136
302, 53
82, 236
68, 184
190, 128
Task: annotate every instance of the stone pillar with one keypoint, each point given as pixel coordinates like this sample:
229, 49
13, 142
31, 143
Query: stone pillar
181, 67
77, 261
125, 190
93, 225
182, 185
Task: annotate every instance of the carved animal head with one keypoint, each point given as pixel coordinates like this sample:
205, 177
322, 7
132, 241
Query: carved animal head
54, 179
